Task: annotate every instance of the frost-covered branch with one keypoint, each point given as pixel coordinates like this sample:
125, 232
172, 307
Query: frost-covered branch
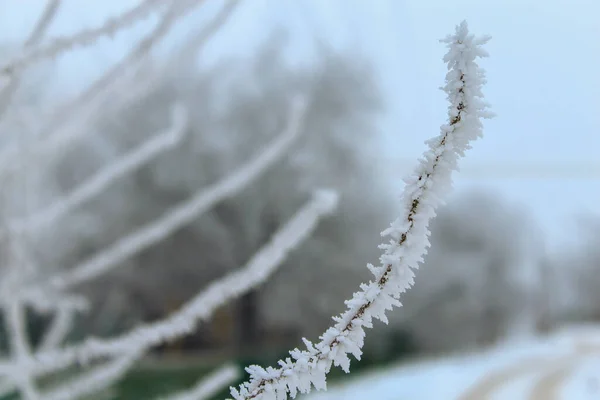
19, 268
177, 10
59, 328
185, 213
85, 38
98, 378
96, 184
44, 300
43, 23
409, 237
20, 350
120, 86
78, 112
208, 386
150, 75
115, 84
196, 42
38, 32
202, 306
86, 383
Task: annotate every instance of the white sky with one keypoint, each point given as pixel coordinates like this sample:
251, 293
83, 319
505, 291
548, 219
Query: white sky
544, 78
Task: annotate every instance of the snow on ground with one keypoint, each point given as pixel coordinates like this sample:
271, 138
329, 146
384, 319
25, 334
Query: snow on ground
562, 366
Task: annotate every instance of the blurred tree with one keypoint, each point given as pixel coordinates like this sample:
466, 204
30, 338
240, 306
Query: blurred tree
236, 111
574, 276
471, 289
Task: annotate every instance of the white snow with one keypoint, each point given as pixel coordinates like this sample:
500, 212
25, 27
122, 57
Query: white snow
567, 363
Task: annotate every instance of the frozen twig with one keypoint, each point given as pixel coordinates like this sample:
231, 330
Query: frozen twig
196, 42
38, 32
86, 383
68, 121
43, 23
119, 86
150, 75
20, 350
409, 237
97, 183
208, 386
98, 378
45, 300
59, 328
202, 306
185, 213
84, 38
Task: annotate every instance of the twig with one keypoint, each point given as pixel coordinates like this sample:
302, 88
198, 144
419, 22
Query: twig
407, 246
208, 386
83, 38
185, 213
124, 166
202, 306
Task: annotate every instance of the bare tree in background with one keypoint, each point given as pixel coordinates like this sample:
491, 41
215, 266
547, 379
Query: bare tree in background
34, 205
473, 287
572, 278
328, 153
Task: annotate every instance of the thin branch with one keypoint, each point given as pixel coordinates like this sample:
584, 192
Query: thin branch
143, 82
44, 300
38, 32
61, 324
409, 238
210, 385
66, 308
109, 92
95, 380
185, 213
96, 184
87, 383
58, 133
202, 306
20, 350
84, 38
41, 27
191, 47
59, 329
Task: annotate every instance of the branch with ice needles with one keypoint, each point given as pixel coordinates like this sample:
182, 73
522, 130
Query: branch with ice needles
409, 236
258, 269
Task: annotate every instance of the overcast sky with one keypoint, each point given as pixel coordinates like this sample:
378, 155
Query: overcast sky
544, 79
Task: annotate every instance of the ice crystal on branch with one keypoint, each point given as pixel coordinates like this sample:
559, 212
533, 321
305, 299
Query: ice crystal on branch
408, 236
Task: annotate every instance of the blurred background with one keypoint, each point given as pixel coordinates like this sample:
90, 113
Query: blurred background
514, 252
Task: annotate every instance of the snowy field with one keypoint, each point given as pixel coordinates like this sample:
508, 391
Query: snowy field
564, 365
